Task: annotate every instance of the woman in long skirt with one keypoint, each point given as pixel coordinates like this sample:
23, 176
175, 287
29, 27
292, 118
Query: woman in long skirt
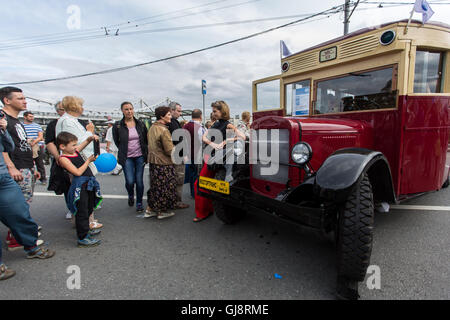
162, 195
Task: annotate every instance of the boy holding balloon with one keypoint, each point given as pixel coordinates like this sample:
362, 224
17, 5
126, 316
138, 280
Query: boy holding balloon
84, 193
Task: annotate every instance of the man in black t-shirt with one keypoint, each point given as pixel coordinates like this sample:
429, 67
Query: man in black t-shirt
20, 161
175, 110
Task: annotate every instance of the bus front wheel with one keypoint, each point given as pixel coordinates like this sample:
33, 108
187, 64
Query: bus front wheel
354, 238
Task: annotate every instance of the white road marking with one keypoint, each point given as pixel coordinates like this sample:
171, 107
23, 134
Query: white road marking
395, 207
105, 196
417, 207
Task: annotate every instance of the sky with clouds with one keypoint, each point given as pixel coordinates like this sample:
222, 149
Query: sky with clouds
229, 70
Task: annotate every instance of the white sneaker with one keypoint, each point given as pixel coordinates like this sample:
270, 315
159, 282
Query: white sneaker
39, 242
69, 215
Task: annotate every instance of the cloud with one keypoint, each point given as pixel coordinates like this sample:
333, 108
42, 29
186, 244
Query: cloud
228, 70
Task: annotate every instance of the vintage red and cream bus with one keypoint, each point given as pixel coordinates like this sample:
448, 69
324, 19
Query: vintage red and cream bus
362, 120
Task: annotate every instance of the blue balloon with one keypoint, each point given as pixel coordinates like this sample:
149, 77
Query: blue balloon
105, 162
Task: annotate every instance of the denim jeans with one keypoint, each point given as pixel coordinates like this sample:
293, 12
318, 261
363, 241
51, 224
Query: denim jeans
134, 174
191, 176
15, 213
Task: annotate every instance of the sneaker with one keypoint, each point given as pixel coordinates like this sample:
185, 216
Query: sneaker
88, 242
94, 232
9, 237
68, 215
139, 208
6, 273
163, 215
14, 246
40, 253
130, 201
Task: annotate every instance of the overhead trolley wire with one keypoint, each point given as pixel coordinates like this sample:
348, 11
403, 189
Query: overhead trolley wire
209, 25
334, 9
99, 32
97, 29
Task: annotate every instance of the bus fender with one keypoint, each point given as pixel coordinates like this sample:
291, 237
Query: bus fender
344, 168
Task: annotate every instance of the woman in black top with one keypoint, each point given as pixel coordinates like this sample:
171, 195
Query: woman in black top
221, 111
130, 137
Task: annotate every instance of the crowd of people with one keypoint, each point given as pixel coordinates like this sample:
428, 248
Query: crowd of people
70, 142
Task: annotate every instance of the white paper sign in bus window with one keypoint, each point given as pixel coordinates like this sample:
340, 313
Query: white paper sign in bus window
301, 106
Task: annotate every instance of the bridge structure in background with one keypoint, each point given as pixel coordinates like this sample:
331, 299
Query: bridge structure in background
143, 111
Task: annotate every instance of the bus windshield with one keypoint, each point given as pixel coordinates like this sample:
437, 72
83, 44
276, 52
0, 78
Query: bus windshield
368, 90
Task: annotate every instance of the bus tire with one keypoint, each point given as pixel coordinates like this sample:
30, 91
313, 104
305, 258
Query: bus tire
355, 232
226, 214
446, 183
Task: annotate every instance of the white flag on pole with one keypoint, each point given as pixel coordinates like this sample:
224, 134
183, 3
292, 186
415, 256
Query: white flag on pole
423, 7
284, 51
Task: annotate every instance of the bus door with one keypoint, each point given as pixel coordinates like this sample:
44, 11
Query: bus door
426, 127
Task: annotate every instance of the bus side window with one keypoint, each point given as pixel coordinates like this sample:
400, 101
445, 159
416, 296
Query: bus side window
298, 98
428, 72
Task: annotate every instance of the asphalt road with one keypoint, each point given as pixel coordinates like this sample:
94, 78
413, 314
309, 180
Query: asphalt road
178, 259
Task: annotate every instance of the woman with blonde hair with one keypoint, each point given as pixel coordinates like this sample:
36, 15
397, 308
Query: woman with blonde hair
73, 107
221, 112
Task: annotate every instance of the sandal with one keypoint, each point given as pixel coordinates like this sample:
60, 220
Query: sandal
196, 219
6, 273
181, 205
40, 253
95, 225
149, 213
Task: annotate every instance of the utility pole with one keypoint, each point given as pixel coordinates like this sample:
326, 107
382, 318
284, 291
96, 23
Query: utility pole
346, 16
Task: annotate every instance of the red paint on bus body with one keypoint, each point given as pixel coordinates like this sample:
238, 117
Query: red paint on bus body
414, 138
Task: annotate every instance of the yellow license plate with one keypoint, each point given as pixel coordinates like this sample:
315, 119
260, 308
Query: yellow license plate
214, 185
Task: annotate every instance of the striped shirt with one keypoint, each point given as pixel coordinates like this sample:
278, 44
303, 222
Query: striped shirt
32, 131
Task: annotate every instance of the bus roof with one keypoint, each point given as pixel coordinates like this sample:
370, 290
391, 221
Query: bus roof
361, 31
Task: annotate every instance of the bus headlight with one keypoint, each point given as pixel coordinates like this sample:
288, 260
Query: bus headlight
239, 147
301, 153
